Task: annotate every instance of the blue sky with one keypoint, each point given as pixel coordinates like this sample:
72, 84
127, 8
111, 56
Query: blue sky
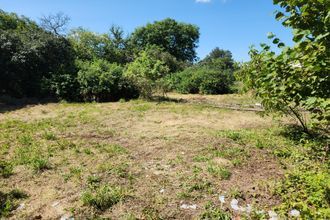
228, 24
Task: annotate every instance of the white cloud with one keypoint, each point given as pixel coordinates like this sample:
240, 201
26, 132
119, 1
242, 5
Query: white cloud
203, 1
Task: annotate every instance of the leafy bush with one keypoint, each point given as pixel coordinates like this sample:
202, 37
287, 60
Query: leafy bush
102, 81
203, 80
147, 72
213, 75
298, 78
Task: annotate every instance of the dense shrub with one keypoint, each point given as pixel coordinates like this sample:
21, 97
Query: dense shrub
30, 57
203, 80
148, 71
212, 75
102, 81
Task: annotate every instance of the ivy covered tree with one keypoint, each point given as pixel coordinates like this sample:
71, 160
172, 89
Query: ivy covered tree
297, 79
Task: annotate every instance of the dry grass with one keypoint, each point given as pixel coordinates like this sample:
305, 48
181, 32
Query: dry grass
161, 155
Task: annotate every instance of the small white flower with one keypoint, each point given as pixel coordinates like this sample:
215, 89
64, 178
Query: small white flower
294, 213
222, 199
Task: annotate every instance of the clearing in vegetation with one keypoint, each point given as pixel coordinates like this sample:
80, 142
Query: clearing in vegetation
156, 160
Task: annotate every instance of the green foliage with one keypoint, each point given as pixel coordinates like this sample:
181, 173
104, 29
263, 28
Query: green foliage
221, 172
298, 78
178, 39
307, 191
213, 212
30, 57
103, 197
6, 169
9, 201
213, 75
102, 81
111, 46
147, 72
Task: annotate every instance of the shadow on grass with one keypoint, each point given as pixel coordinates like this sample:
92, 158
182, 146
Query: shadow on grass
160, 99
8, 103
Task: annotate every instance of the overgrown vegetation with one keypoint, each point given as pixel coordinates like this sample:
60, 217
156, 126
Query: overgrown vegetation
297, 79
179, 159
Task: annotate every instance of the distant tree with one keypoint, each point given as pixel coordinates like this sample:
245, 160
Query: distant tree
55, 23
219, 58
178, 39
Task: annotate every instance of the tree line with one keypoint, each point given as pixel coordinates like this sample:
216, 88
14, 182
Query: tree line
38, 60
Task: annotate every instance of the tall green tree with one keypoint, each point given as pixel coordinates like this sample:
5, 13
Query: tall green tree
178, 39
30, 57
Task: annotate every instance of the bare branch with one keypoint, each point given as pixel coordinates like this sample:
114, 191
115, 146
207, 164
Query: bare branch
55, 23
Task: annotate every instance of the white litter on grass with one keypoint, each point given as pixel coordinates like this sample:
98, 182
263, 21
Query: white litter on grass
248, 208
294, 213
186, 206
21, 206
222, 199
55, 204
260, 212
162, 190
273, 215
234, 205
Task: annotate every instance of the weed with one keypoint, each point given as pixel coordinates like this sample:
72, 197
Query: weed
88, 151
6, 169
8, 201
39, 164
93, 180
49, 136
112, 149
201, 158
103, 197
213, 212
221, 172
74, 172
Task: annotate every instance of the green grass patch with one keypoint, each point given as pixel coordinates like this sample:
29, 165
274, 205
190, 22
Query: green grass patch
103, 197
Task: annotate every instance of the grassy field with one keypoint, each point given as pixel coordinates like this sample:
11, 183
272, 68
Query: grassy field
149, 160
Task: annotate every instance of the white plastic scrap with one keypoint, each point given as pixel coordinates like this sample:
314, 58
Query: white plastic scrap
222, 199
186, 206
162, 190
21, 206
248, 208
294, 213
273, 215
234, 205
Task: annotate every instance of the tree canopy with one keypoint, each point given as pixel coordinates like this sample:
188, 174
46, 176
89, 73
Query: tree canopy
178, 39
